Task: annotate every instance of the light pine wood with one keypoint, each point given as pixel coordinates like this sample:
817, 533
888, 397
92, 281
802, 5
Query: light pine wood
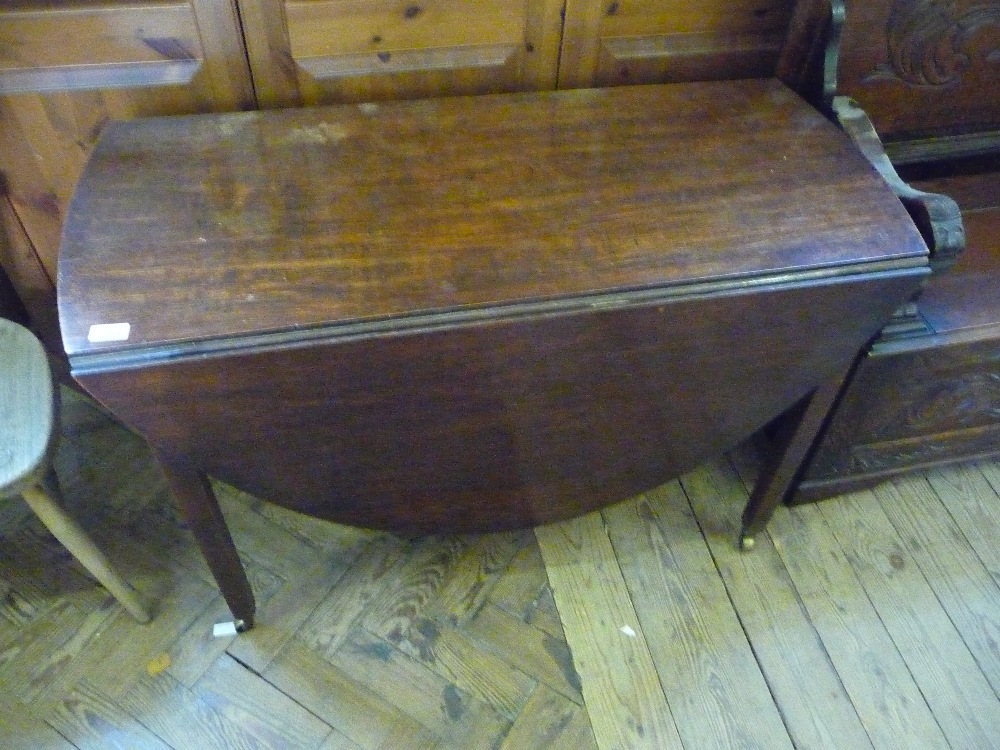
978, 515
959, 696
960, 581
992, 474
465, 590
432, 699
693, 633
550, 722
27, 431
67, 71
612, 42
19, 727
368, 641
86, 717
36, 289
226, 77
529, 649
350, 708
883, 691
189, 719
323, 51
620, 684
94, 47
814, 705
75, 539
287, 610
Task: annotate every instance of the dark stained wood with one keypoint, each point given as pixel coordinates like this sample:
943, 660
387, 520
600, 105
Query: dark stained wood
504, 423
107, 684
922, 66
201, 512
10, 304
937, 216
924, 72
206, 227
801, 425
800, 65
975, 186
933, 402
474, 313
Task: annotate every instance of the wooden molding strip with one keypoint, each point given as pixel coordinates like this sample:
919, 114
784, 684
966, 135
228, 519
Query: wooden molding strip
407, 61
136, 357
944, 147
108, 76
622, 49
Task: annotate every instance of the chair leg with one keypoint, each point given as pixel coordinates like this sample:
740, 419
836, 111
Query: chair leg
80, 545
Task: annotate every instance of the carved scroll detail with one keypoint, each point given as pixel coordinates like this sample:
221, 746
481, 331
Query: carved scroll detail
928, 41
957, 416
965, 401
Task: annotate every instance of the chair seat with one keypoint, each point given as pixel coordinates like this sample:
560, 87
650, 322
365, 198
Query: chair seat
27, 409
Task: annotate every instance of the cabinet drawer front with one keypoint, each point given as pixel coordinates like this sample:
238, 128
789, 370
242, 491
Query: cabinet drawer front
104, 47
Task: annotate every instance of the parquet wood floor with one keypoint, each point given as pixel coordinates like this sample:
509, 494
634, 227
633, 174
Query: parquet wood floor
869, 621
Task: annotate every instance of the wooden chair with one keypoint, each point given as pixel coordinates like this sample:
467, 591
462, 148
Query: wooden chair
28, 423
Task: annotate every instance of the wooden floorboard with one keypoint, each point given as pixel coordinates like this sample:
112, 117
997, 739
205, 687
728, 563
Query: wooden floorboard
811, 697
692, 630
621, 688
954, 688
868, 622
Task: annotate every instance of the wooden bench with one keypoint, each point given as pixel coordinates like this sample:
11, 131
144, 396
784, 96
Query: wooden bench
476, 313
923, 80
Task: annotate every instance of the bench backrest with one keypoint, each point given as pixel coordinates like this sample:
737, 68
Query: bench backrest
923, 68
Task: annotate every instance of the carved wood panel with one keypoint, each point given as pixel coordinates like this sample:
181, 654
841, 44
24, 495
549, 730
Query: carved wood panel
924, 405
923, 66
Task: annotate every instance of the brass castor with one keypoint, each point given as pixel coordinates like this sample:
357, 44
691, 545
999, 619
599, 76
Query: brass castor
746, 543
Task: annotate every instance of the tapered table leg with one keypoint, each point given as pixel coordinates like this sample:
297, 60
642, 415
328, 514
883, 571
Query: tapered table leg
200, 510
798, 434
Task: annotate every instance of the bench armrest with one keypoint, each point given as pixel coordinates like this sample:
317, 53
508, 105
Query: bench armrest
937, 216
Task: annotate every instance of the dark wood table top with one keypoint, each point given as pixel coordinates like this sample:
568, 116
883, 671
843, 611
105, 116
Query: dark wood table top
219, 226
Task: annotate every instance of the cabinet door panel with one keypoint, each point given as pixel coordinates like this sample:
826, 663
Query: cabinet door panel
66, 71
616, 42
354, 50
98, 47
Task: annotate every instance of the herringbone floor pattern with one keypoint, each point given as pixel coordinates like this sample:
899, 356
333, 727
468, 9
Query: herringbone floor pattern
369, 641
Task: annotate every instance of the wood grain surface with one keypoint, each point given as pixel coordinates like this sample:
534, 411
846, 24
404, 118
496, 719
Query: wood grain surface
216, 226
65, 71
501, 424
921, 68
463, 314
612, 655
